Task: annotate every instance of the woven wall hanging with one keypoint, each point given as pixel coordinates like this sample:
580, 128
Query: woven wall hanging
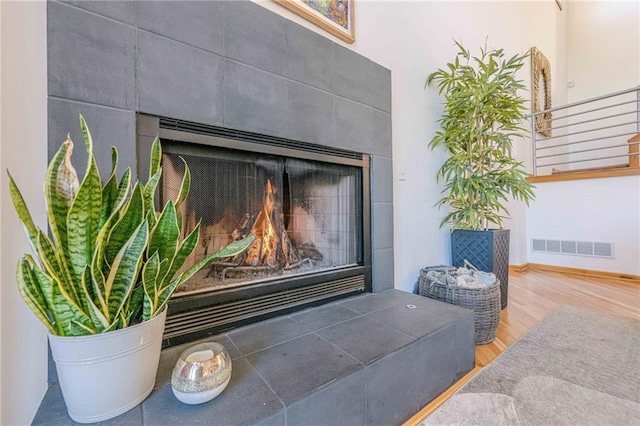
541, 90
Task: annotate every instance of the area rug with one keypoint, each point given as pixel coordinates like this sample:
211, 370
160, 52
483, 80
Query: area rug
575, 367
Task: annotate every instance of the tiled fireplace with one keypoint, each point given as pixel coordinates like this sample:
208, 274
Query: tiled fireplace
307, 205
313, 117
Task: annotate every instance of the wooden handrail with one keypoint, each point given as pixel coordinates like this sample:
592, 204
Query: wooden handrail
589, 174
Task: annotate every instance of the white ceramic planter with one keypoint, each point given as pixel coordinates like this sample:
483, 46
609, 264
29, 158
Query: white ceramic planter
105, 375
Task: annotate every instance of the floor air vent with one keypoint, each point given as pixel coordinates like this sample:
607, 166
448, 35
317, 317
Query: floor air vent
579, 248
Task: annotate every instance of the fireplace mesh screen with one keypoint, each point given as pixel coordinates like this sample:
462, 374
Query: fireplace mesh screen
307, 215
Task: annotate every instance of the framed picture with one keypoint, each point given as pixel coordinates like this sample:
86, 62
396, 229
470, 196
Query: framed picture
334, 16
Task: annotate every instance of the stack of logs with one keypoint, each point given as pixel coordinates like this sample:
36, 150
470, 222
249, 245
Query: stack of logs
272, 250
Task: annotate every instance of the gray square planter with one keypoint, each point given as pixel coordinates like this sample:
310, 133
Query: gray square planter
486, 250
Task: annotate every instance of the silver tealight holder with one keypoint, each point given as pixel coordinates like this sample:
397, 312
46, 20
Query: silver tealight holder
201, 373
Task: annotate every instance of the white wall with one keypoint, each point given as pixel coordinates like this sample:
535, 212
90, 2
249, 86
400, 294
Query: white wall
603, 210
1, 195
23, 150
603, 54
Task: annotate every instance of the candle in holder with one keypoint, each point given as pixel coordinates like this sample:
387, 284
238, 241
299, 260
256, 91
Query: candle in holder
201, 373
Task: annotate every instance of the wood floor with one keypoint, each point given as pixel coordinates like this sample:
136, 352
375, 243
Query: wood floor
532, 296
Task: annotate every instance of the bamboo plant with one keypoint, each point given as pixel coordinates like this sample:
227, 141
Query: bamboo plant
112, 260
483, 113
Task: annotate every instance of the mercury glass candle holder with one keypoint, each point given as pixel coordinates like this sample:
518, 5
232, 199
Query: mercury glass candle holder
201, 373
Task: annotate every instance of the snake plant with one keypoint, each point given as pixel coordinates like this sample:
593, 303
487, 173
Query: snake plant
112, 260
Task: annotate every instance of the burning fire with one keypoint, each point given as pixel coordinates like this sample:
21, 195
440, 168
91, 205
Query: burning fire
271, 251
264, 250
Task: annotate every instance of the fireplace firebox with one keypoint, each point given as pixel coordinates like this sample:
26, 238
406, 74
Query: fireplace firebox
307, 205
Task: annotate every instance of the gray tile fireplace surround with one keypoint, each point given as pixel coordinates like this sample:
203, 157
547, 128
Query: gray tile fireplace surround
373, 359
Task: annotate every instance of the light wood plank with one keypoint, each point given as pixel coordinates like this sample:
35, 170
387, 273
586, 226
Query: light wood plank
533, 294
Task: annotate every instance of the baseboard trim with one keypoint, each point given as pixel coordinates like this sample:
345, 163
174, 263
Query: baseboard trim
518, 268
584, 272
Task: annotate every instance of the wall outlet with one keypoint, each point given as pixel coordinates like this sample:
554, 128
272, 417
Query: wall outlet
402, 172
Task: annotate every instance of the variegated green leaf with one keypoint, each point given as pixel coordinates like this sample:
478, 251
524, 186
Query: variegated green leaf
164, 236
109, 194
77, 328
82, 223
88, 140
97, 318
135, 303
30, 292
117, 212
165, 294
23, 211
149, 193
98, 288
123, 189
54, 266
64, 311
130, 220
124, 318
115, 325
232, 249
98, 260
156, 157
110, 190
186, 248
66, 177
150, 272
184, 186
124, 270
114, 161
57, 207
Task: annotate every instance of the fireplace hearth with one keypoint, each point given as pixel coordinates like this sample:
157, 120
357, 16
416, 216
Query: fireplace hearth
307, 205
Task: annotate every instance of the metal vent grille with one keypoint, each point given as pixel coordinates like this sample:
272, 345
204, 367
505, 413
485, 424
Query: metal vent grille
568, 247
553, 246
539, 245
585, 248
580, 248
602, 249
222, 132
217, 316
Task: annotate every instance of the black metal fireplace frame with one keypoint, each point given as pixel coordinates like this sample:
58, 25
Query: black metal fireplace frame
194, 316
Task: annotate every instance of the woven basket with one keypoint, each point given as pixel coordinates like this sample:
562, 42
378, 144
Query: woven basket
485, 302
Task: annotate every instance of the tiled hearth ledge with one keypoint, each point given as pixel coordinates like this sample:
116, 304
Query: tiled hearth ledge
373, 359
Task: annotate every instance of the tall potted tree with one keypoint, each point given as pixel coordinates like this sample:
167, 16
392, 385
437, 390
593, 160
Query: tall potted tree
100, 279
483, 114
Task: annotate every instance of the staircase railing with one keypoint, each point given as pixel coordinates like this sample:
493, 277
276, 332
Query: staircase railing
593, 134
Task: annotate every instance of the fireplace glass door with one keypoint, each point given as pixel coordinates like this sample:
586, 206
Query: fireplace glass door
306, 215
